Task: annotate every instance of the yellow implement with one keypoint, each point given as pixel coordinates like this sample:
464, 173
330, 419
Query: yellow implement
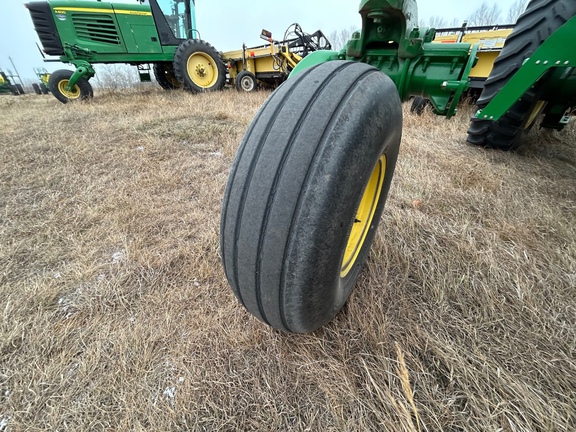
270, 64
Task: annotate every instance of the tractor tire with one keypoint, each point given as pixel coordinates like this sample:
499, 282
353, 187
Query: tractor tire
36, 88
44, 89
164, 73
245, 81
306, 192
20, 89
534, 26
199, 67
58, 82
13, 90
419, 105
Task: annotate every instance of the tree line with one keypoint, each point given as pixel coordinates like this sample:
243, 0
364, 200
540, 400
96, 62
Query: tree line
485, 15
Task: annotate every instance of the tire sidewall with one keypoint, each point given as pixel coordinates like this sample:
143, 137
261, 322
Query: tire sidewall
540, 19
328, 217
295, 187
418, 106
164, 73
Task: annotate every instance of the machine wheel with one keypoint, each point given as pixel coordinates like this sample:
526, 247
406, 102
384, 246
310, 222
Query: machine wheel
419, 104
541, 19
199, 67
245, 81
306, 192
43, 88
14, 90
36, 88
164, 73
20, 89
60, 79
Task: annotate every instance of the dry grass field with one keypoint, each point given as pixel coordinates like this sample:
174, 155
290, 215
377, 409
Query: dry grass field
115, 313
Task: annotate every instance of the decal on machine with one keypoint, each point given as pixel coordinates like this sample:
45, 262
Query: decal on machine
60, 14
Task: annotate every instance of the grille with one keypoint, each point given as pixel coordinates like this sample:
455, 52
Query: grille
98, 28
45, 27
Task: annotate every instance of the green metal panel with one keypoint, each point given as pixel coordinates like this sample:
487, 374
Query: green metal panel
391, 41
560, 88
139, 34
555, 56
135, 58
313, 59
439, 73
90, 28
5, 84
386, 23
105, 32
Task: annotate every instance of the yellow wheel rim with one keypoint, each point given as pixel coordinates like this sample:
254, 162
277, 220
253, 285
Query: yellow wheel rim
202, 70
72, 94
364, 216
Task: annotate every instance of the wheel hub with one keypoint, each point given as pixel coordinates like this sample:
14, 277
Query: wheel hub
74, 93
201, 71
246, 84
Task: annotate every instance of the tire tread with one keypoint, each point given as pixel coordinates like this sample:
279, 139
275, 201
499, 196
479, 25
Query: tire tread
272, 174
534, 26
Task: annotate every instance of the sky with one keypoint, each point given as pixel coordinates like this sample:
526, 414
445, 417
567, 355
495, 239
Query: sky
226, 24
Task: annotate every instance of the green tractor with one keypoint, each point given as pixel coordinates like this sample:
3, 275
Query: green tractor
44, 77
311, 175
8, 87
160, 32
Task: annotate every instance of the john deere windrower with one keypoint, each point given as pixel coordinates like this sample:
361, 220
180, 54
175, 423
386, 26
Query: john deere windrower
160, 32
311, 176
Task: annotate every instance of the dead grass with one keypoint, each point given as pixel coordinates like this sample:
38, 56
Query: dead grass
115, 313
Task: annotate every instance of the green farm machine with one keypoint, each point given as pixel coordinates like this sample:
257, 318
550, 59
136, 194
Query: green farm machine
161, 32
7, 86
310, 178
269, 65
44, 77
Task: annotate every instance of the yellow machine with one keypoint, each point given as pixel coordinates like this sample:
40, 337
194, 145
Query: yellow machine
270, 64
490, 39
7, 86
44, 76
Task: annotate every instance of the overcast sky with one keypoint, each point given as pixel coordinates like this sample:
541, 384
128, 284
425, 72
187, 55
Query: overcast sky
226, 24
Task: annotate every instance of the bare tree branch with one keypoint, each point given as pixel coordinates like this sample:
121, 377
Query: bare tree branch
485, 15
517, 8
338, 38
